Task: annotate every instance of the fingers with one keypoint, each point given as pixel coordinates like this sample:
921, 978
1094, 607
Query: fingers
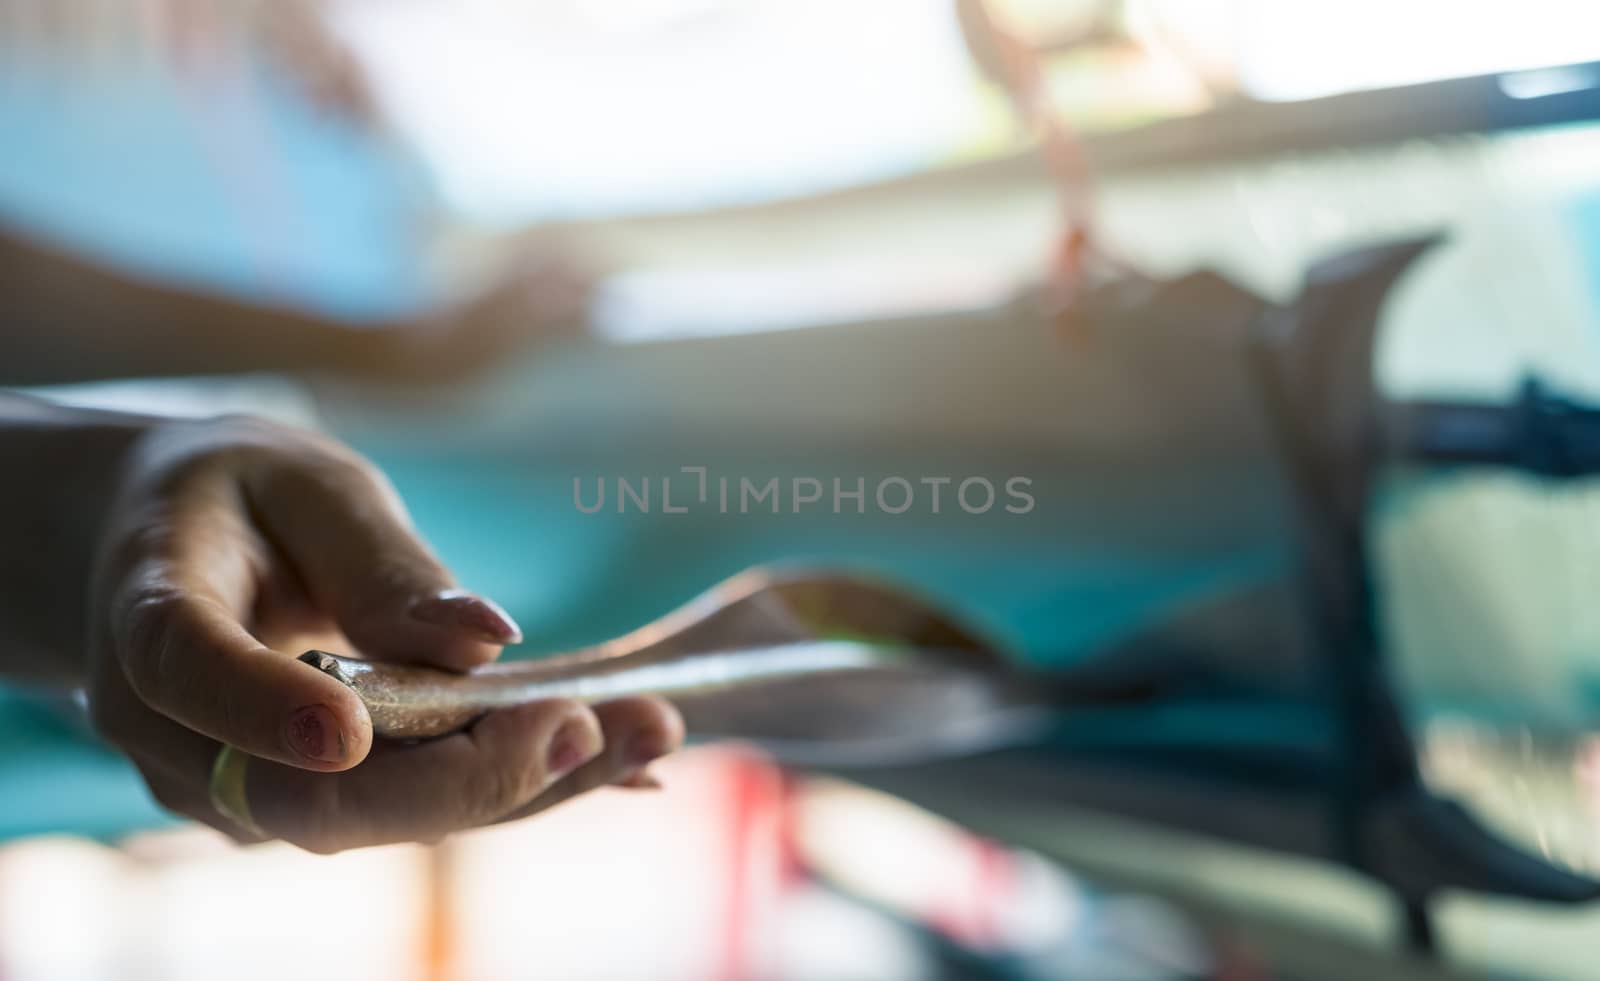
187, 657
638, 731
425, 791
187, 572
345, 532
176, 578
540, 288
512, 764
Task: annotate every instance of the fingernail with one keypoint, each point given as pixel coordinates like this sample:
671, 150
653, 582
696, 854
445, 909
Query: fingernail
315, 734
469, 611
574, 745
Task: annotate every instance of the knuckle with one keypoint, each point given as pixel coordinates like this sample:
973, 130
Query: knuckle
169, 464
328, 471
146, 535
321, 466
179, 453
235, 437
364, 475
146, 639
357, 468
238, 444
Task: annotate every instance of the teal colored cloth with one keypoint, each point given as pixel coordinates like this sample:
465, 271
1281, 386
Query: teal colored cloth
1047, 592
229, 181
55, 778
1584, 211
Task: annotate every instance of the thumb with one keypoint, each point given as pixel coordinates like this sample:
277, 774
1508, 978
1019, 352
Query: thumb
186, 656
343, 528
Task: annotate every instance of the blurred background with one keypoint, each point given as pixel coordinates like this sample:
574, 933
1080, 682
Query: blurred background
829, 238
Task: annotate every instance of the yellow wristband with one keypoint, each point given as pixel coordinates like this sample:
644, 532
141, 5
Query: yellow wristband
228, 794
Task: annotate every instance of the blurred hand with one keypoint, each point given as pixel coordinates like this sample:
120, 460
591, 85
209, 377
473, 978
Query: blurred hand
543, 295
234, 544
69, 319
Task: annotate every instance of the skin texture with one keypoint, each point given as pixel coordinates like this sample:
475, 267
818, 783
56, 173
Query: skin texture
175, 569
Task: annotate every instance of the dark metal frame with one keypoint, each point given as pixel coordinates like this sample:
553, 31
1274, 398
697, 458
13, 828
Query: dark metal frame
1336, 431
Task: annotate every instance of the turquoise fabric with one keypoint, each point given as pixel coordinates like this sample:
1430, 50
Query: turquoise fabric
55, 778
1584, 211
1047, 592
228, 181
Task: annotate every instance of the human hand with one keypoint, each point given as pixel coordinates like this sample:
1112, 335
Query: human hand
234, 544
541, 295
